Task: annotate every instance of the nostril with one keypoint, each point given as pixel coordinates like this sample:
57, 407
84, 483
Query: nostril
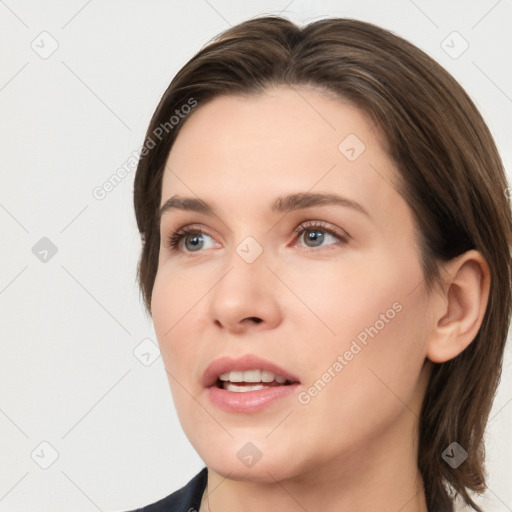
255, 318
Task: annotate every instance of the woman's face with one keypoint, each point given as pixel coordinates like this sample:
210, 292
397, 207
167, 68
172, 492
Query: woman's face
338, 308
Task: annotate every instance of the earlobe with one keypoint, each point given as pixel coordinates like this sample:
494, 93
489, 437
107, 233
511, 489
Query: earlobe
461, 306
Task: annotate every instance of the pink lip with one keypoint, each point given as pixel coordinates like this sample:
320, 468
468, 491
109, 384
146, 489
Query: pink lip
250, 401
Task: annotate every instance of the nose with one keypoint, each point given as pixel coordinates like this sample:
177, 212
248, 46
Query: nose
246, 297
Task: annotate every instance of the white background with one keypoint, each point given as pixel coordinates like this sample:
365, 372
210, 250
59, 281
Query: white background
68, 327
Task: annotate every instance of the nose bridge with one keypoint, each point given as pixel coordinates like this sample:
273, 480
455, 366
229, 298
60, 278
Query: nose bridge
246, 272
247, 254
245, 290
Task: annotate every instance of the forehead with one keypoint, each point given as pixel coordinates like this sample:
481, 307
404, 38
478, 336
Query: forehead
280, 141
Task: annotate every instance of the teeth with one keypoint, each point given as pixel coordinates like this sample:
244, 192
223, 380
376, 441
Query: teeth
251, 376
243, 389
267, 376
236, 376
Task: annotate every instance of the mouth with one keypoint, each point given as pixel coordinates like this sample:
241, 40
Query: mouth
243, 373
247, 384
239, 381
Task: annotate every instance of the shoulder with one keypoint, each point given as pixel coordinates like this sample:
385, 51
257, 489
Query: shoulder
186, 499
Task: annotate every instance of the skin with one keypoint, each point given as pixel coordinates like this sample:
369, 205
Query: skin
353, 446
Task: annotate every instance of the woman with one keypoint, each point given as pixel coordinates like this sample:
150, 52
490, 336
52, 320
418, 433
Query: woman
326, 260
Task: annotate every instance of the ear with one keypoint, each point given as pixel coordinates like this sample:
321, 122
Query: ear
459, 306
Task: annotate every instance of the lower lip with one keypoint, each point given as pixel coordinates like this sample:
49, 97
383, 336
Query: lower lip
248, 401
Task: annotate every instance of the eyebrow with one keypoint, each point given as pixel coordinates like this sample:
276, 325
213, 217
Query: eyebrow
282, 204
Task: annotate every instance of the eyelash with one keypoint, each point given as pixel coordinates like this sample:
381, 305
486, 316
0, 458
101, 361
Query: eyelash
174, 239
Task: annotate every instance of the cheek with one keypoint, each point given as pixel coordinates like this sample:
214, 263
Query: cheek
172, 307
177, 316
353, 298
173, 299
361, 377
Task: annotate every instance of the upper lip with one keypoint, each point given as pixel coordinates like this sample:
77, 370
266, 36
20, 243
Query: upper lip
227, 364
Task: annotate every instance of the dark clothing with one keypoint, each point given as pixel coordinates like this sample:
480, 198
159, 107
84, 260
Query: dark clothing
186, 499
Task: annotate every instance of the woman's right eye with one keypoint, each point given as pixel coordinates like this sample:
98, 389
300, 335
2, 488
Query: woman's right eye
192, 238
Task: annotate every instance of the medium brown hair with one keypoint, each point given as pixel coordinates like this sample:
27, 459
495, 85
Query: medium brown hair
451, 176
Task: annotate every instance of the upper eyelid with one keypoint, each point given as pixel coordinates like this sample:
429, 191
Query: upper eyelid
303, 224
322, 225
195, 226
311, 224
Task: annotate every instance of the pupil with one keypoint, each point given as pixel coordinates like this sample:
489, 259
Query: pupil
315, 236
195, 239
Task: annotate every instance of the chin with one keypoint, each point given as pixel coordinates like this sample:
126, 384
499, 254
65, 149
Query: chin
261, 461
262, 471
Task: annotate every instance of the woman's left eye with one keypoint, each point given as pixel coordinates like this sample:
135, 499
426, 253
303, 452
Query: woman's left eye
315, 234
